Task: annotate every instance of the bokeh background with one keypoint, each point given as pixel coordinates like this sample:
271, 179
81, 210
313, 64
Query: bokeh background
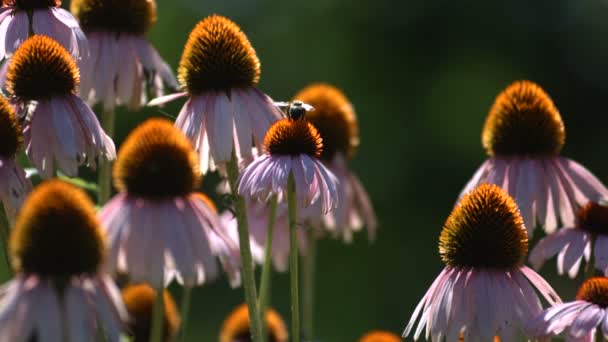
422, 75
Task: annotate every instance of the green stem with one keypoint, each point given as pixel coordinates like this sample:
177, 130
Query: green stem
105, 166
4, 232
308, 286
245, 249
293, 259
185, 311
156, 330
264, 298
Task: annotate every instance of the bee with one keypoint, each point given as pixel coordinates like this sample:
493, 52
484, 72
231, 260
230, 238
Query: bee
295, 110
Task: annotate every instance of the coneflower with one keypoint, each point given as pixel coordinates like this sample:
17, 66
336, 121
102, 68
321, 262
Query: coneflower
485, 289
14, 186
523, 136
139, 300
587, 237
158, 227
335, 119
60, 130
219, 72
380, 336
581, 320
236, 326
21, 18
123, 63
60, 292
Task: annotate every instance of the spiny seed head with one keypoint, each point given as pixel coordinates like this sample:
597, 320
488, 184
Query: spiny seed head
523, 122
120, 16
485, 230
57, 233
593, 217
40, 69
10, 130
218, 56
380, 336
594, 290
26, 5
157, 161
334, 117
293, 137
236, 326
139, 300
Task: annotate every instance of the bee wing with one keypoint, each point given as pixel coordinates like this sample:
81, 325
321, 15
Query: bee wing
282, 105
307, 107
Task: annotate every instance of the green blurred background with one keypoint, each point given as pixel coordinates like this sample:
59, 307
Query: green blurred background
422, 75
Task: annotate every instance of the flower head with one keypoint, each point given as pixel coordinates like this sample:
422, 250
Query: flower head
218, 57
41, 69
523, 135
139, 300
54, 216
120, 16
574, 243
291, 148
580, 319
159, 228
380, 336
483, 243
236, 326
59, 292
11, 138
157, 161
333, 115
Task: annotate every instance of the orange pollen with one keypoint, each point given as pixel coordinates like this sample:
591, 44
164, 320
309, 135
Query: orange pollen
293, 137
11, 137
40, 69
523, 121
594, 290
236, 326
218, 57
380, 336
334, 117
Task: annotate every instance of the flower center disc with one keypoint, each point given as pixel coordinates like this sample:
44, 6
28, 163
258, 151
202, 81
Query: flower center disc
485, 230
57, 233
293, 137
237, 328
593, 217
31, 4
139, 300
218, 56
594, 290
523, 122
10, 131
158, 161
121, 16
40, 69
334, 117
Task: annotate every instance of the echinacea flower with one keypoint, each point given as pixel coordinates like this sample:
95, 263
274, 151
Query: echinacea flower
236, 326
573, 243
60, 130
257, 216
579, 319
158, 228
380, 336
60, 292
485, 289
225, 112
47, 18
292, 147
335, 119
139, 300
524, 135
14, 185
122, 63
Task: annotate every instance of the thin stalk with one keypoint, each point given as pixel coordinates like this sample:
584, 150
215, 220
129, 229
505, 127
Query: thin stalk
105, 166
293, 259
185, 311
308, 286
264, 298
4, 231
251, 295
156, 330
